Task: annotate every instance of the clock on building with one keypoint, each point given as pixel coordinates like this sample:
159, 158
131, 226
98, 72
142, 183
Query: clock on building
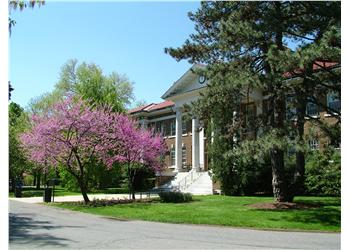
201, 79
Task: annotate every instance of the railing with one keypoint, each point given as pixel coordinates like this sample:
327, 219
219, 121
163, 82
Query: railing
188, 180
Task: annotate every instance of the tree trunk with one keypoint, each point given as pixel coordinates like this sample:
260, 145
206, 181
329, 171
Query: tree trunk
83, 190
34, 179
298, 182
299, 174
133, 194
133, 174
278, 176
38, 178
279, 184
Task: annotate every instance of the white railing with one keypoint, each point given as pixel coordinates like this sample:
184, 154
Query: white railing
188, 180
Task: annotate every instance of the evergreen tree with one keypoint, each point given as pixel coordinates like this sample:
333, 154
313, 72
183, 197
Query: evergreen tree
249, 45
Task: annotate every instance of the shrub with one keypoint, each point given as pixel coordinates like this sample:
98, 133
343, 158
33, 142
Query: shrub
322, 172
28, 180
175, 197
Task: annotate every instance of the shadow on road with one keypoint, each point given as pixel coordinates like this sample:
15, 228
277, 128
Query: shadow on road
23, 229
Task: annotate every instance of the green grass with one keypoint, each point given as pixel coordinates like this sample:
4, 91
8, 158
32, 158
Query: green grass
227, 211
59, 191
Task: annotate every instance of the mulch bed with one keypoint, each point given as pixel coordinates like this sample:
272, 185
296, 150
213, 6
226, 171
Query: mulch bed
283, 205
111, 202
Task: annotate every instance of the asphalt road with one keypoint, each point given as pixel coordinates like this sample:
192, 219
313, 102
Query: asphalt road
41, 227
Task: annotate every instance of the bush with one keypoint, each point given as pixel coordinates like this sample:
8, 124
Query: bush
322, 173
28, 180
175, 197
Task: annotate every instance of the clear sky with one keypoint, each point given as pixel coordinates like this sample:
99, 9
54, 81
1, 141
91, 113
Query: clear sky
126, 37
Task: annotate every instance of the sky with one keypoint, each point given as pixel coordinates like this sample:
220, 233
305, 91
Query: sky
126, 37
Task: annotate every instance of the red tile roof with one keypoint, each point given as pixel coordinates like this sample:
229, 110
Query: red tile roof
138, 109
152, 107
316, 66
161, 105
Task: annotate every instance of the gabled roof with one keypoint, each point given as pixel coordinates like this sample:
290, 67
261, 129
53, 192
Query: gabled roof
152, 107
173, 90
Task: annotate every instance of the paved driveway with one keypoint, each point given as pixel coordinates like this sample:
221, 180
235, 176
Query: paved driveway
38, 226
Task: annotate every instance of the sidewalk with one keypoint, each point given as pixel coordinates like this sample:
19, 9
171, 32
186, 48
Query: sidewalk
80, 197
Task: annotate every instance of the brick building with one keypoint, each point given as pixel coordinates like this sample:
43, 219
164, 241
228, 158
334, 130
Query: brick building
186, 160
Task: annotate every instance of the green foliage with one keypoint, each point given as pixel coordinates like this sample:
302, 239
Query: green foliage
175, 197
144, 179
323, 172
89, 82
246, 46
68, 181
99, 178
18, 123
247, 171
28, 180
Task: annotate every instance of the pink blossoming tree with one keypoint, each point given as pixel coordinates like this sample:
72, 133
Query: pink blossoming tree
137, 148
73, 135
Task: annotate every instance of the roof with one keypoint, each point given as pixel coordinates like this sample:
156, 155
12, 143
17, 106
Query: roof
138, 109
152, 107
315, 67
171, 91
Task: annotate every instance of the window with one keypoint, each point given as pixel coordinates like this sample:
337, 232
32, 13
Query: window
160, 128
184, 156
311, 109
333, 101
314, 144
184, 127
172, 155
172, 127
291, 110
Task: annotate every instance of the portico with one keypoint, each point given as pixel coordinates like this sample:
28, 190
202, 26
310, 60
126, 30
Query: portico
197, 153
186, 158
185, 91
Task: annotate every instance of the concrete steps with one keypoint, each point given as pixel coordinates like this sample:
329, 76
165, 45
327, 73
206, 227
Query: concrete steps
202, 186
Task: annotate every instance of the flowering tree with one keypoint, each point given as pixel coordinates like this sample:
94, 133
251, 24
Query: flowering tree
74, 135
137, 148
69, 136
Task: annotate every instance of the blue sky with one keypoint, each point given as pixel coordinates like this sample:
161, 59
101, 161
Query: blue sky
126, 37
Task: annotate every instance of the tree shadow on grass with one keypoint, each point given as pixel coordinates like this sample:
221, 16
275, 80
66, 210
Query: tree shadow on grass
22, 229
326, 213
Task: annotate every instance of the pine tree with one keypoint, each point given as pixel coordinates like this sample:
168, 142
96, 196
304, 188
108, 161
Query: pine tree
248, 45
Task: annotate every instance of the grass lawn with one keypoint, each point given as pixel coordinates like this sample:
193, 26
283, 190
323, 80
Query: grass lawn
59, 191
227, 211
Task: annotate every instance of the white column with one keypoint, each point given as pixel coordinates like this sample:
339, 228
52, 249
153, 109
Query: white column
201, 149
178, 141
195, 145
